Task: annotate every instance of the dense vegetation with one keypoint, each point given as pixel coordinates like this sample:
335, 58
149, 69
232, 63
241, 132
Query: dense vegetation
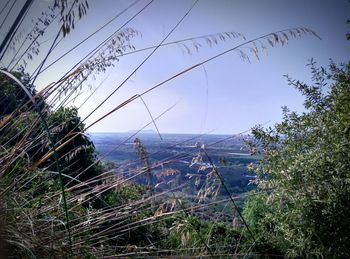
302, 205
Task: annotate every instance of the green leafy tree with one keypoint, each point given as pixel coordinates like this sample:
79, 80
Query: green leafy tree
11, 95
302, 206
16, 110
78, 156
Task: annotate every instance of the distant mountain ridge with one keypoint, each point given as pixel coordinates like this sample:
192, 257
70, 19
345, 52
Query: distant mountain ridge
146, 131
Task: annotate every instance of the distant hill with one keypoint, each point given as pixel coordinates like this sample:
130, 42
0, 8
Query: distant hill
146, 131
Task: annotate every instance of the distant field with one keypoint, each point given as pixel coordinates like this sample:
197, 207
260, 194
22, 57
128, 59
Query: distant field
172, 157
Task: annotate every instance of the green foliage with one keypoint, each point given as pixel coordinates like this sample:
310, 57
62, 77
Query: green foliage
124, 194
79, 153
30, 196
11, 95
192, 233
302, 207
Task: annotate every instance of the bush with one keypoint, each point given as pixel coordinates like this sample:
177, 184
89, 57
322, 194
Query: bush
303, 206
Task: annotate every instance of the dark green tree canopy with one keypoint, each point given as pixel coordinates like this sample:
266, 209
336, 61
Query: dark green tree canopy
11, 94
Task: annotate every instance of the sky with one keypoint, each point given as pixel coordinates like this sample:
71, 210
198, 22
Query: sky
224, 96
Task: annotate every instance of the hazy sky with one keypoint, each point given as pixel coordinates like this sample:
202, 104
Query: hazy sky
226, 95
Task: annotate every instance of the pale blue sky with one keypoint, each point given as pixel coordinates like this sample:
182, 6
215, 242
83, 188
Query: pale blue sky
232, 96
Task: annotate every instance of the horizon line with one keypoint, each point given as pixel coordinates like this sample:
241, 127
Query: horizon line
162, 133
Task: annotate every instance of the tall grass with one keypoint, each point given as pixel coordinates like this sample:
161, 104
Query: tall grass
39, 220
